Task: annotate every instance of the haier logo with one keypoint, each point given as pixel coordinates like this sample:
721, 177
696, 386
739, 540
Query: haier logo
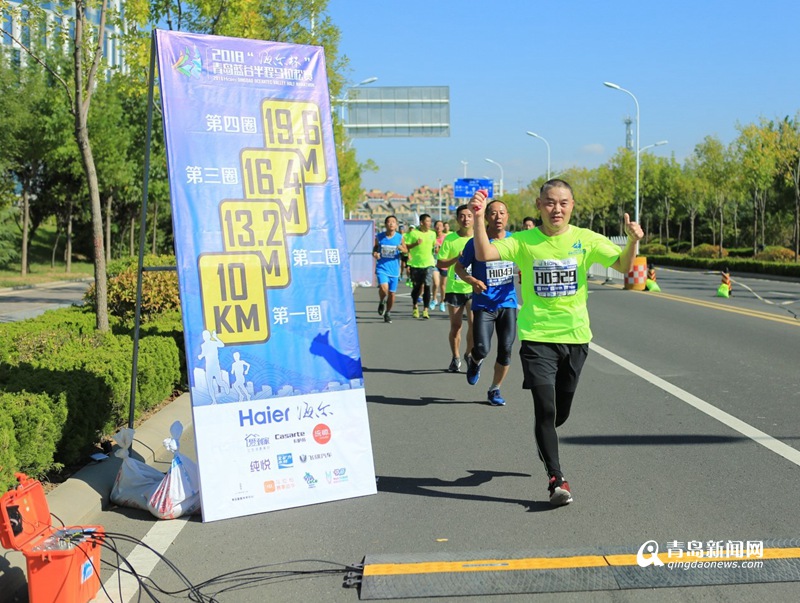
263, 417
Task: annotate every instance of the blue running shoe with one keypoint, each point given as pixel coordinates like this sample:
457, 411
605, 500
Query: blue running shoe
442, 307
473, 370
495, 399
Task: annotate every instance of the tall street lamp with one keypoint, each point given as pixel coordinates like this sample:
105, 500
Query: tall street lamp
501, 173
616, 87
655, 144
465, 164
440, 198
543, 139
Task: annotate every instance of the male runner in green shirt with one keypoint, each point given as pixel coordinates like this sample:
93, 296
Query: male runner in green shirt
457, 293
553, 324
420, 243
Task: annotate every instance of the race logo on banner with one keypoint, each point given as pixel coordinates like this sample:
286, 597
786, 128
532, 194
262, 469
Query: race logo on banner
272, 348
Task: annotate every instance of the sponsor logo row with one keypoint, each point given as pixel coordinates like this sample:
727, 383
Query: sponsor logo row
321, 435
311, 480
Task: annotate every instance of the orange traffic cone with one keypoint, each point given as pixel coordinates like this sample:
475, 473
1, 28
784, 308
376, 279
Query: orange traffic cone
651, 284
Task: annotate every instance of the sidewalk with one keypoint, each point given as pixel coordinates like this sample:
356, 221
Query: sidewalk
86, 493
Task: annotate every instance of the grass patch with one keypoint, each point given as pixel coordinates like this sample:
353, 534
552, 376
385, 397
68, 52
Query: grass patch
43, 273
39, 260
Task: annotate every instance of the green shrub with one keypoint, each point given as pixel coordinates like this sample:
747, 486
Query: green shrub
158, 370
170, 324
707, 251
8, 453
741, 252
91, 370
653, 249
159, 289
681, 247
38, 423
85, 375
776, 254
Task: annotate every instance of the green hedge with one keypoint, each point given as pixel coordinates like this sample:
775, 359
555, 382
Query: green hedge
733, 264
91, 370
37, 422
8, 452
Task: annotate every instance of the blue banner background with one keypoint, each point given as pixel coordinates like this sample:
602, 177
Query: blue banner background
300, 356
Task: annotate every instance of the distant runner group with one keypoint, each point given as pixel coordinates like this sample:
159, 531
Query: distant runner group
553, 260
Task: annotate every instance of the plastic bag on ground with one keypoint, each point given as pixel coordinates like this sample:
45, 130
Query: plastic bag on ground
179, 491
136, 481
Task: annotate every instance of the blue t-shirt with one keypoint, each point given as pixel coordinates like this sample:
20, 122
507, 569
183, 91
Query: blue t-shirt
498, 277
389, 249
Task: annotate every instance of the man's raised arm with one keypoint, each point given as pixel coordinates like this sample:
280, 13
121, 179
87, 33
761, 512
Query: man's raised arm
484, 250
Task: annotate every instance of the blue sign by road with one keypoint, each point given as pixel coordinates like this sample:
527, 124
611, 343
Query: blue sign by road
466, 187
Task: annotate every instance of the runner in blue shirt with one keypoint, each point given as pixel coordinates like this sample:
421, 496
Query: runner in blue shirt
494, 304
388, 247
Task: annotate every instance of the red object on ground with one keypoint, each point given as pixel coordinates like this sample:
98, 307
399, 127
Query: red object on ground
63, 563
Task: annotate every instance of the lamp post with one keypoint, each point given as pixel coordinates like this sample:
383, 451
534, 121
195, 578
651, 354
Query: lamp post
638, 150
440, 198
543, 139
501, 173
465, 164
655, 144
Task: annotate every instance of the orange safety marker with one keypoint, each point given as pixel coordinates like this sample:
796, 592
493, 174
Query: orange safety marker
725, 289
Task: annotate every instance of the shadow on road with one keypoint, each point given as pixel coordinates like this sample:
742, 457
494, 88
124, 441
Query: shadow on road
423, 401
403, 372
420, 486
677, 439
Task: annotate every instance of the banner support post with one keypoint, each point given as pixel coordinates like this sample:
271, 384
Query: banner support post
142, 229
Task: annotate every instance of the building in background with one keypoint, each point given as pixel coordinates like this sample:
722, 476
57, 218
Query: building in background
61, 17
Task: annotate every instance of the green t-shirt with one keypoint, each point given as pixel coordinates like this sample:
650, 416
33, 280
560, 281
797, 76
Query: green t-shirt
452, 246
421, 256
554, 288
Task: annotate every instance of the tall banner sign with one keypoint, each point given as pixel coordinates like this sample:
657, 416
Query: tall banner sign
272, 350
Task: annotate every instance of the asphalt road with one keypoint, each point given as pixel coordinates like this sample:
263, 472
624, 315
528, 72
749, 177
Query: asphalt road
645, 458
19, 304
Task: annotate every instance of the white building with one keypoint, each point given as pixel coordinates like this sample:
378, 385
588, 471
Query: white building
61, 17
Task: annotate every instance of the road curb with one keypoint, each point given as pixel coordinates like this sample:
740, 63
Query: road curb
48, 285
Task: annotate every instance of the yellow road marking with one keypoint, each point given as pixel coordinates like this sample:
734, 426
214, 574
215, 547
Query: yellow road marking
544, 563
716, 306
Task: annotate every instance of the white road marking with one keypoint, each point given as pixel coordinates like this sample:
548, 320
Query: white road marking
758, 436
160, 537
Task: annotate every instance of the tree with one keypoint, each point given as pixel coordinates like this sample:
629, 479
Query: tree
789, 168
112, 141
623, 171
714, 167
599, 198
756, 148
692, 194
87, 54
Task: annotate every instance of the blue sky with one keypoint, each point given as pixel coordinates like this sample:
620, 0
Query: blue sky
696, 67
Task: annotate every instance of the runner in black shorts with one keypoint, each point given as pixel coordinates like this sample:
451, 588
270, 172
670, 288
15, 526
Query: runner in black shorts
494, 304
553, 324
